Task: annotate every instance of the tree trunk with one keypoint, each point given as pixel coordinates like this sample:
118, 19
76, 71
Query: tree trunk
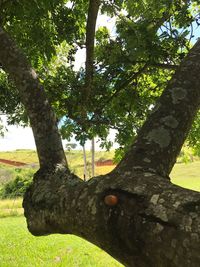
93, 156
85, 175
134, 213
152, 223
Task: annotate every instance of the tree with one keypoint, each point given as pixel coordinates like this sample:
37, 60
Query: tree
70, 146
140, 59
134, 213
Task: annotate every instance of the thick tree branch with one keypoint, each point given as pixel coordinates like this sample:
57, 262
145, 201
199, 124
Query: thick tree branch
90, 39
42, 118
153, 223
163, 134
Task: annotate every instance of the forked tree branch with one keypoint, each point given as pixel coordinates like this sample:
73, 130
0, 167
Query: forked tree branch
153, 223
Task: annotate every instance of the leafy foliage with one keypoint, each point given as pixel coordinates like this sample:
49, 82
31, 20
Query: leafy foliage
17, 186
132, 64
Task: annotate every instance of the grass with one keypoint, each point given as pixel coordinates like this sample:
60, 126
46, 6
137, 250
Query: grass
22, 155
11, 207
20, 249
187, 175
75, 159
6, 174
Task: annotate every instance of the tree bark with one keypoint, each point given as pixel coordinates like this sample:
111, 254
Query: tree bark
42, 118
85, 175
164, 132
132, 213
154, 223
93, 156
90, 39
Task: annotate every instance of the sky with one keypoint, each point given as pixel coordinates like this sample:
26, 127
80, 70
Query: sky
16, 137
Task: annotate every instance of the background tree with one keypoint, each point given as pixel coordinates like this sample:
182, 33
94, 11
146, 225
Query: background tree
70, 146
134, 213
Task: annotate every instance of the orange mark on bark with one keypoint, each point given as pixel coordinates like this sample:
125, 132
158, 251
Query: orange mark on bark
111, 200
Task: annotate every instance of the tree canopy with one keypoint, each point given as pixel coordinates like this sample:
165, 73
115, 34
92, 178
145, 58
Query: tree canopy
134, 213
129, 67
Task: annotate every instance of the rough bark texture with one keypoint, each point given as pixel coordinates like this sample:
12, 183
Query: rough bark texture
85, 164
163, 134
152, 223
42, 118
93, 156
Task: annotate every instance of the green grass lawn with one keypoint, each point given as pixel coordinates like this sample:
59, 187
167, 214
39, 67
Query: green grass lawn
18, 248
187, 175
11, 207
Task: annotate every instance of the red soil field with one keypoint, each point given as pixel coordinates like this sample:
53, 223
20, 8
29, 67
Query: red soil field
107, 162
12, 162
